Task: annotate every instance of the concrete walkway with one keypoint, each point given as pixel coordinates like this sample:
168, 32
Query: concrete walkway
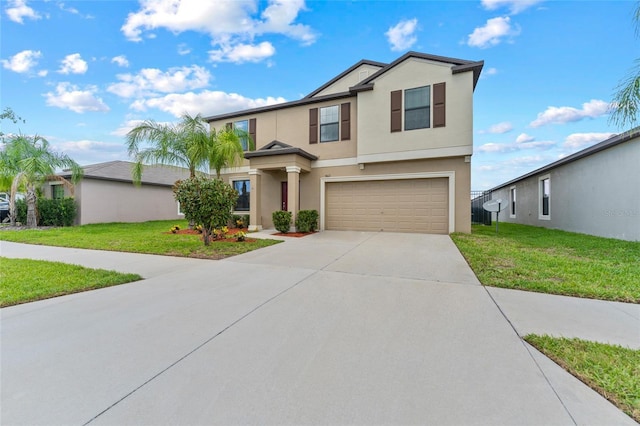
333, 328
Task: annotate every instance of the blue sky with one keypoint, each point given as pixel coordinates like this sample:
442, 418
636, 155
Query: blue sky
82, 73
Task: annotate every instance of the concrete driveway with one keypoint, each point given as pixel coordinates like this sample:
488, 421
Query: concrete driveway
333, 328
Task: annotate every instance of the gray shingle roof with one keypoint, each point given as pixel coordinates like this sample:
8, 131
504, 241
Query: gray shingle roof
121, 171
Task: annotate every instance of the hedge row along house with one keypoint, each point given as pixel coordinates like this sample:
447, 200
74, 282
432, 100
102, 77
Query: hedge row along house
381, 147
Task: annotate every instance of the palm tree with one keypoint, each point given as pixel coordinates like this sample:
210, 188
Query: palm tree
626, 101
28, 162
188, 144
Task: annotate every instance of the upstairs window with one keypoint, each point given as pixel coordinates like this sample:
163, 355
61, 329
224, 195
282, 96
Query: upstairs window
417, 108
243, 126
329, 123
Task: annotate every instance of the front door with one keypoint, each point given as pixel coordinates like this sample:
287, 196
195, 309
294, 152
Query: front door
284, 195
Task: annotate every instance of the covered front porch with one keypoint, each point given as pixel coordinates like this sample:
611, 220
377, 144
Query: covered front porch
274, 175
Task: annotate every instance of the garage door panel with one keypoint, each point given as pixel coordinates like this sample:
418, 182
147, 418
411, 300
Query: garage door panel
404, 205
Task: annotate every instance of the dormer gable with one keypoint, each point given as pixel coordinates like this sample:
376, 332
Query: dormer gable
351, 77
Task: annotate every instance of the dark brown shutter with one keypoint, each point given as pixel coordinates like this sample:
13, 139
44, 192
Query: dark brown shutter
229, 126
345, 121
396, 110
252, 133
439, 95
313, 125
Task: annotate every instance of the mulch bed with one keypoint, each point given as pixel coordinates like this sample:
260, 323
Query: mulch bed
293, 234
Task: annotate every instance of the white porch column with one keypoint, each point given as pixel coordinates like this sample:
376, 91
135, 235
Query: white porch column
293, 192
255, 219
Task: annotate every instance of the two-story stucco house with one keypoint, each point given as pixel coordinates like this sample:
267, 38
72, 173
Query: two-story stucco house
379, 147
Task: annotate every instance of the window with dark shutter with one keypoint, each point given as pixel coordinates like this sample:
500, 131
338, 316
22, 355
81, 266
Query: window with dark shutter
313, 125
345, 121
439, 114
252, 133
396, 110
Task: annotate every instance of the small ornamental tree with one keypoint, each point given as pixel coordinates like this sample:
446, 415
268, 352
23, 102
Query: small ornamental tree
207, 202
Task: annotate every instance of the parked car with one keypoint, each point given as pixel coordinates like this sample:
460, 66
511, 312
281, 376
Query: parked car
4, 207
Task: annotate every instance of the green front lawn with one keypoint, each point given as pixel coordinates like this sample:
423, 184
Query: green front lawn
551, 261
146, 237
613, 371
25, 280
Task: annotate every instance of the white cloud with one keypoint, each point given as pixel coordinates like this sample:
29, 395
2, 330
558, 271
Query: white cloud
121, 60
88, 145
18, 10
522, 142
69, 9
402, 35
126, 127
206, 102
22, 62
491, 71
492, 33
228, 23
69, 96
73, 64
183, 49
581, 140
152, 81
515, 6
499, 128
523, 138
561, 115
43, 73
240, 53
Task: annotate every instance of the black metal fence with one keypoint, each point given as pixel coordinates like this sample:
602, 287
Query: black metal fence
478, 214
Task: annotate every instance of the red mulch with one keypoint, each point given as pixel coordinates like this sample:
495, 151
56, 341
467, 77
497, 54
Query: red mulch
294, 234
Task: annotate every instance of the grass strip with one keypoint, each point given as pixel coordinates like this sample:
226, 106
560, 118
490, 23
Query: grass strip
552, 261
611, 370
26, 280
147, 237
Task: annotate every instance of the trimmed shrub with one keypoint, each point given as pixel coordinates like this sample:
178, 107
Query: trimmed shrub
50, 212
307, 221
282, 221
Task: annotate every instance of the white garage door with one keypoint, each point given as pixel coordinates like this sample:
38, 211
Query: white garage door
405, 205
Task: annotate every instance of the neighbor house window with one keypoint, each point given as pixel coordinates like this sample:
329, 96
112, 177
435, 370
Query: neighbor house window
545, 197
512, 200
243, 126
244, 188
57, 192
417, 108
180, 212
329, 124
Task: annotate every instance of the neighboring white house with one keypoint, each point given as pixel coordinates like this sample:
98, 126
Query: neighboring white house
594, 191
106, 193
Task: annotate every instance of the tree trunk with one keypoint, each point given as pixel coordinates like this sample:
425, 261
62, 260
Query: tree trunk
31, 198
206, 236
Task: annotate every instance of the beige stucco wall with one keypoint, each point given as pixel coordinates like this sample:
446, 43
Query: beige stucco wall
310, 184
109, 201
376, 142
349, 80
291, 126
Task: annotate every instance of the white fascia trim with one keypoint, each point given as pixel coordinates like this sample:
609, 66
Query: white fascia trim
451, 175
338, 162
455, 151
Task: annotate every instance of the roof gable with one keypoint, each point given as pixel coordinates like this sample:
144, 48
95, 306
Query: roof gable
365, 63
458, 66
